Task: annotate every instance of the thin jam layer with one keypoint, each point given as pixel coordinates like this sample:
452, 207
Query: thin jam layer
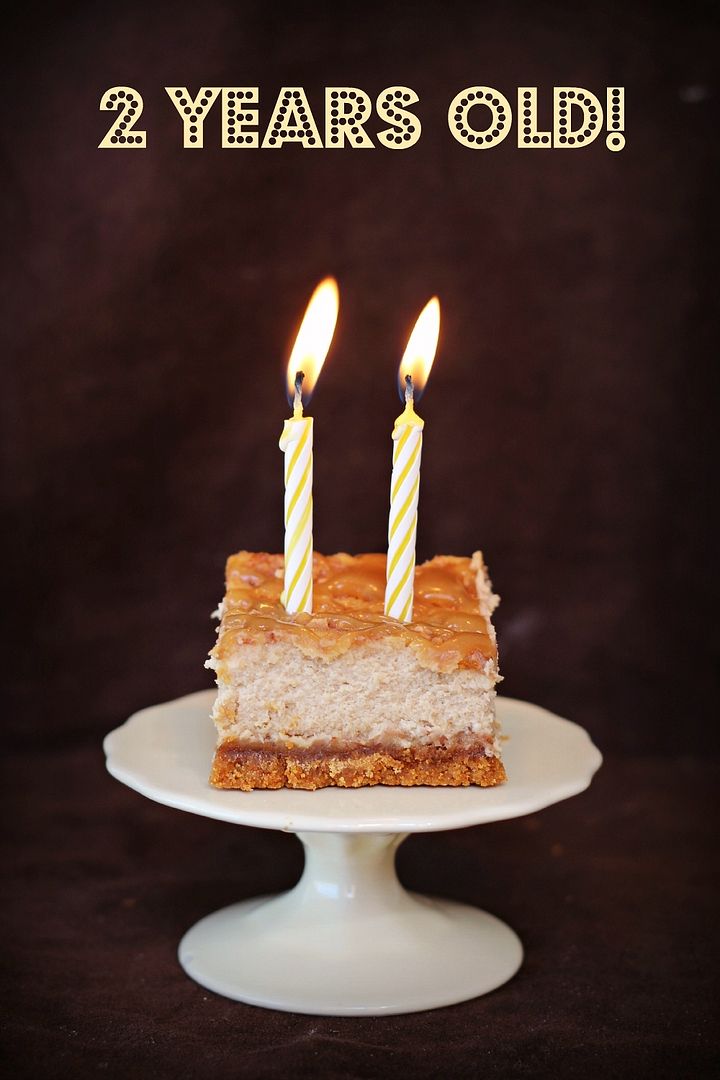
448, 629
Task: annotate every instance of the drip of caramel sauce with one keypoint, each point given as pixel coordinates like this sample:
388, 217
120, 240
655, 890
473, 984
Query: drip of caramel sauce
450, 628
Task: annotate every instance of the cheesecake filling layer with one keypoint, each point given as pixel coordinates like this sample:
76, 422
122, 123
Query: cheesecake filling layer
378, 695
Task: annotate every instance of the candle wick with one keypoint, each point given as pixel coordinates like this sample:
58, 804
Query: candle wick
409, 390
297, 403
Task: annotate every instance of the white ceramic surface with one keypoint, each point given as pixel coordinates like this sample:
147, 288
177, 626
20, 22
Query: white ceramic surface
348, 939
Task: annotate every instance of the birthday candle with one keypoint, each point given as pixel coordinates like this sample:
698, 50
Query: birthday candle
407, 451
296, 442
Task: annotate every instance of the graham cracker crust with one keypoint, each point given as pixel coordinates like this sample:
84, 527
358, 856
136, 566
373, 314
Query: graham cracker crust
248, 768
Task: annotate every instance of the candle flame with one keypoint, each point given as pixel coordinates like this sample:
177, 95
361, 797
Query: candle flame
313, 338
420, 350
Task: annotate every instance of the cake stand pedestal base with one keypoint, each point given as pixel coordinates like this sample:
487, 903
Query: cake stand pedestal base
350, 940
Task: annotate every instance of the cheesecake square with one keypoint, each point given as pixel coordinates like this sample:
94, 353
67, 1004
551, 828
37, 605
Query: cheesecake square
347, 697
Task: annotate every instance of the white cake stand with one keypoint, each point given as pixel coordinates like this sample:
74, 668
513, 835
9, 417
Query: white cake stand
348, 939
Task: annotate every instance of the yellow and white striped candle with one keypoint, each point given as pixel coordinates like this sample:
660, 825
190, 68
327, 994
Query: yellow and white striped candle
296, 442
402, 527
407, 451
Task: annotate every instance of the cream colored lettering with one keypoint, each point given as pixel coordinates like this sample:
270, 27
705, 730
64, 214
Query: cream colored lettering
461, 108
528, 135
479, 118
347, 110
577, 119
122, 134
615, 140
239, 118
392, 107
292, 121
193, 113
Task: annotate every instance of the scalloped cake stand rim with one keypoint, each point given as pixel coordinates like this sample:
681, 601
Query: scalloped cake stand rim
164, 753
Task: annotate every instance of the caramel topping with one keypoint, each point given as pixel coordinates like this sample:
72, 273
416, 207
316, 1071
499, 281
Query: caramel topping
451, 621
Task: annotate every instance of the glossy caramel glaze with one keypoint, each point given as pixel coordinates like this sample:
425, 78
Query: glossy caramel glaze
451, 619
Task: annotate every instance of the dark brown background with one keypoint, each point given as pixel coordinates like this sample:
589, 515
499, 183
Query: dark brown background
150, 298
